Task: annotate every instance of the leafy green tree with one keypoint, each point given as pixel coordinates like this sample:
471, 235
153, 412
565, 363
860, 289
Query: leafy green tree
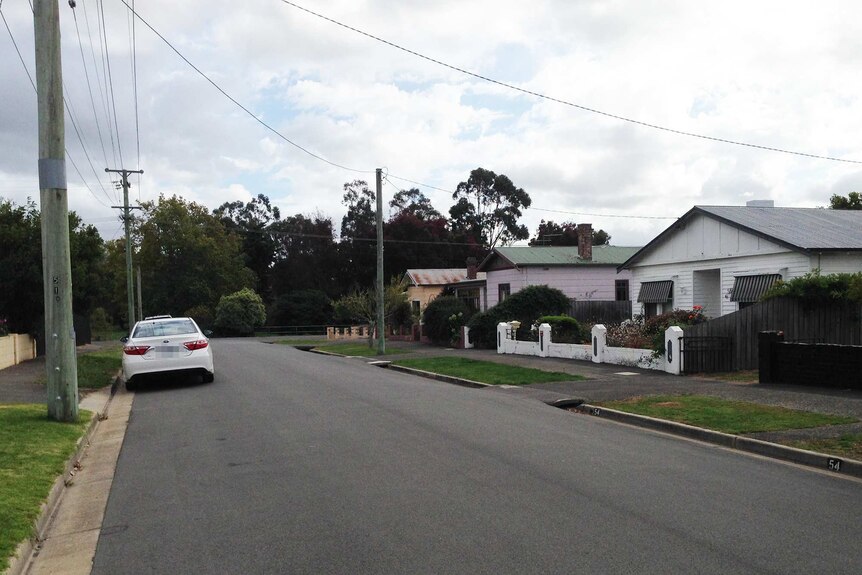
413, 202
853, 201
551, 233
361, 305
301, 307
251, 222
187, 257
357, 248
239, 313
307, 256
21, 291
488, 207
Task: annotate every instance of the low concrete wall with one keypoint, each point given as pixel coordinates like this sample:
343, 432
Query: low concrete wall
16, 348
597, 352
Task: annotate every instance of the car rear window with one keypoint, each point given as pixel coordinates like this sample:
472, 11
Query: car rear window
165, 328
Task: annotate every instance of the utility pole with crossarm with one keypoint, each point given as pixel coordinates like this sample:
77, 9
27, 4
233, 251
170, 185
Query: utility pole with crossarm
127, 220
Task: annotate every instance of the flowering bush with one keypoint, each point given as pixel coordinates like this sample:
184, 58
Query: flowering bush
649, 333
4, 327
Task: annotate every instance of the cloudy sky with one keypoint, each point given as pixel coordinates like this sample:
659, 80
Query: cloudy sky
775, 74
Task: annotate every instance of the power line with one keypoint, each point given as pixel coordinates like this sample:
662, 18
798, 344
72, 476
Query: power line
232, 99
103, 98
566, 102
33, 84
111, 82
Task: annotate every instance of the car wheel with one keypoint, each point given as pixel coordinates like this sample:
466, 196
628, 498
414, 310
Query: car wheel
208, 377
131, 385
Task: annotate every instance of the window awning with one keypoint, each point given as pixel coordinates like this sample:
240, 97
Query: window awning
750, 288
655, 292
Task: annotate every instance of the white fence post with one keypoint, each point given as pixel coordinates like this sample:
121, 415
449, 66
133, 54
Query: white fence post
672, 355
465, 337
502, 329
600, 342
544, 339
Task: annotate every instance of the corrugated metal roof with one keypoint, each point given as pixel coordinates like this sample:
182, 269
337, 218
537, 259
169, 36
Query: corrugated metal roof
806, 228
564, 255
436, 277
655, 292
750, 288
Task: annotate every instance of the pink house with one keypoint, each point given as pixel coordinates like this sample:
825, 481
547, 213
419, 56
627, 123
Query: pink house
584, 272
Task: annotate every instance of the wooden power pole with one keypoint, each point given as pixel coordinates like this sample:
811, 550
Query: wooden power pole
381, 298
61, 362
127, 220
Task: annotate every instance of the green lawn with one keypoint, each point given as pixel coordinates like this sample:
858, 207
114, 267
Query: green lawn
359, 348
846, 445
97, 368
487, 371
33, 452
723, 415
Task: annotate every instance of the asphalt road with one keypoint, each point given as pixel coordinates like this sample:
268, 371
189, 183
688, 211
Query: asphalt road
292, 462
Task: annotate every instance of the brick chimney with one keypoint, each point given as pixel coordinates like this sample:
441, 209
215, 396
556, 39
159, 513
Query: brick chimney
471, 268
585, 241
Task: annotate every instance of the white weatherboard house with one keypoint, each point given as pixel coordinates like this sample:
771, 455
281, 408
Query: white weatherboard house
583, 272
724, 258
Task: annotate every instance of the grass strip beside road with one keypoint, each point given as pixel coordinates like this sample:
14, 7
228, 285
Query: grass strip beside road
357, 348
486, 371
735, 417
33, 453
97, 369
845, 446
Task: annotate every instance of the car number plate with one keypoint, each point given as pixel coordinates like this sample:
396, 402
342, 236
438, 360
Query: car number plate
168, 349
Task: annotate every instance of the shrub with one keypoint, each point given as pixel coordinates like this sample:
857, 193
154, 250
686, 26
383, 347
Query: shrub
100, 322
564, 329
239, 313
525, 306
814, 288
443, 317
630, 334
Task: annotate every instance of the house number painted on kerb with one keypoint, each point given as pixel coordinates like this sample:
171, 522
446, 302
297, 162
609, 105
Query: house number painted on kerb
834, 464
596, 411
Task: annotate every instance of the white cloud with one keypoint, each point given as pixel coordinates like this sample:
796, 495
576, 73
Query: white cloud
778, 74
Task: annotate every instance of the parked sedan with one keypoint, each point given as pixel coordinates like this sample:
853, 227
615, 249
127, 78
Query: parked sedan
166, 345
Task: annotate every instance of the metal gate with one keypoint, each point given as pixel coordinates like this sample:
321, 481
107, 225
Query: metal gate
706, 354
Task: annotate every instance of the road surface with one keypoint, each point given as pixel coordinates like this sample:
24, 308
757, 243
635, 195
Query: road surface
293, 462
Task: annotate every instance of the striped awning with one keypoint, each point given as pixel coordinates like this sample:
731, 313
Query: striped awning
655, 292
750, 288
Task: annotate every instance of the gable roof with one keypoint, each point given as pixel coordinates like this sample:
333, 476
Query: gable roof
547, 256
437, 277
804, 230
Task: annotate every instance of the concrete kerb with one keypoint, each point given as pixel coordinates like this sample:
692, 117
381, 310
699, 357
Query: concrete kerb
838, 465
20, 560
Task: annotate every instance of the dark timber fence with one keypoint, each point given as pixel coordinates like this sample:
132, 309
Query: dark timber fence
838, 323
587, 311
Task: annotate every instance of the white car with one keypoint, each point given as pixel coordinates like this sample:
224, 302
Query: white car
166, 345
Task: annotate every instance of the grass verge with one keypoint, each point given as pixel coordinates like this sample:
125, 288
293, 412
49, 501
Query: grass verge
487, 371
846, 445
97, 369
744, 376
33, 452
722, 415
358, 348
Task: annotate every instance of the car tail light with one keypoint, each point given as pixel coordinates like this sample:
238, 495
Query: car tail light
197, 344
136, 349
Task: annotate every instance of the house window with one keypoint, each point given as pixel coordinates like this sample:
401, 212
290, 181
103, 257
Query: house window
747, 290
622, 290
504, 290
655, 294
414, 307
470, 296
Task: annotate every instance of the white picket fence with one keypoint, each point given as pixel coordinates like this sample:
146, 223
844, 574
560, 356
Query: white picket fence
15, 348
597, 352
